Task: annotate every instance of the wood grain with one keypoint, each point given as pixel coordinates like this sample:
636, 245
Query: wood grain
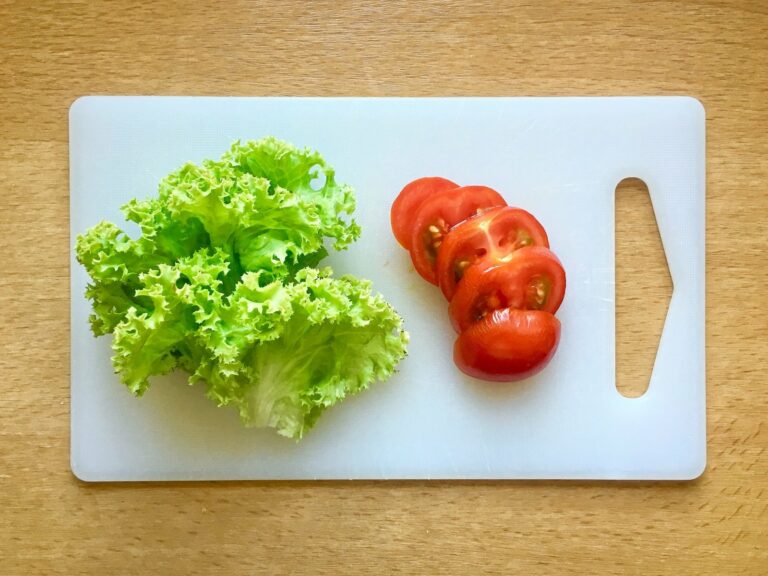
52, 52
643, 287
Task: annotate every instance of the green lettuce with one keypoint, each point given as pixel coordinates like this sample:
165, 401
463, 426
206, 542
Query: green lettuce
223, 283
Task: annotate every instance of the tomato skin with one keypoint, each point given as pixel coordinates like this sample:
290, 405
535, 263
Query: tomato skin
437, 215
403, 210
508, 345
530, 278
488, 238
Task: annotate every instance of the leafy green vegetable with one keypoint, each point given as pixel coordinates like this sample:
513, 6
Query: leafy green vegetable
221, 284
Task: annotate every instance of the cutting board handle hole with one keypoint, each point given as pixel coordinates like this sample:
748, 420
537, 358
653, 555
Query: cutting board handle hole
642, 280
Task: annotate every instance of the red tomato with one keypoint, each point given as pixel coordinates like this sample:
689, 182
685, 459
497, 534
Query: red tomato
490, 238
437, 215
530, 278
408, 201
507, 345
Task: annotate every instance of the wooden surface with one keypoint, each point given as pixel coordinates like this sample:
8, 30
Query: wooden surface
52, 52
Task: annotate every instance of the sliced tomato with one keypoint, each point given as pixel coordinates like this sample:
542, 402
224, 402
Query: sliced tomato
489, 238
404, 207
530, 278
507, 345
437, 215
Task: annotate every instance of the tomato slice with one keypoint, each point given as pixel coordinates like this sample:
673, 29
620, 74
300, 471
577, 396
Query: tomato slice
438, 214
490, 238
531, 278
507, 345
401, 215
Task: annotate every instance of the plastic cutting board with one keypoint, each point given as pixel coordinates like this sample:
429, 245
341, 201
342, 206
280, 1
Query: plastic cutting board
560, 158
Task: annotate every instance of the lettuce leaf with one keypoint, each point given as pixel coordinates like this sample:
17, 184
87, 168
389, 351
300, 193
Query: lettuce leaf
223, 283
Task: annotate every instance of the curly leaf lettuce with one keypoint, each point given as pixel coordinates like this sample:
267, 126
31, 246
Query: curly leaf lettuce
222, 283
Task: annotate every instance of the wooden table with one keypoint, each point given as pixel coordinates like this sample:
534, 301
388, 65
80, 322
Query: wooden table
50, 523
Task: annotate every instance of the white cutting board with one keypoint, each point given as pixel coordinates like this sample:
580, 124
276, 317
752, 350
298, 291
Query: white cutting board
560, 158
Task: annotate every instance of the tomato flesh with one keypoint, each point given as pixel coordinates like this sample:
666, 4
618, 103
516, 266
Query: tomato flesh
531, 278
507, 345
492, 262
406, 204
437, 215
489, 239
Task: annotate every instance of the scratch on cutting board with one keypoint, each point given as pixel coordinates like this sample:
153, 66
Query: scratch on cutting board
527, 128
